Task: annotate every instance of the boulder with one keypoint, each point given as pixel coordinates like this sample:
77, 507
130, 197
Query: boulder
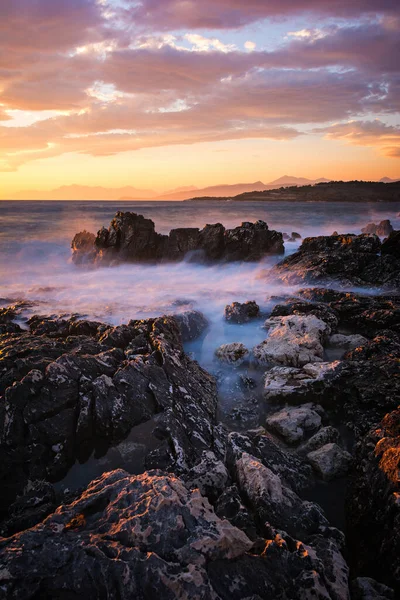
325, 435
238, 312
293, 340
383, 229
365, 588
296, 423
348, 342
330, 461
392, 244
232, 354
83, 247
192, 324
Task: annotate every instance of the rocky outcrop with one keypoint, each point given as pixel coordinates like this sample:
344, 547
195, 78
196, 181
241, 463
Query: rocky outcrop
293, 340
132, 238
330, 461
374, 503
238, 312
343, 259
63, 397
383, 229
192, 324
295, 424
391, 245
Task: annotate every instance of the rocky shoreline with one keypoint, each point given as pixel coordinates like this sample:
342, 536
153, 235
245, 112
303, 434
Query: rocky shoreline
189, 507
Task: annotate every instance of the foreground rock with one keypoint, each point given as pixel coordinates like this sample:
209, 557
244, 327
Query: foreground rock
344, 259
132, 238
67, 395
233, 354
330, 461
294, 424
374, 504
293, 340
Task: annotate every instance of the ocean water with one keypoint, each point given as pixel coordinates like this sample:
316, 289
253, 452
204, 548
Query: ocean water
35, 265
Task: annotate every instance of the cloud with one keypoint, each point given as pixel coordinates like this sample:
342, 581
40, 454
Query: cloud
366, 133
226, 14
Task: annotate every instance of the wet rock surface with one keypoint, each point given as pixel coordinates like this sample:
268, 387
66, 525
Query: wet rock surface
132, 238
343, 259
241, 312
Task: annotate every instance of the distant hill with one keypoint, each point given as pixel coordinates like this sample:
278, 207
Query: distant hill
333, 191
290, 180
388, 180
83, 192
215, 190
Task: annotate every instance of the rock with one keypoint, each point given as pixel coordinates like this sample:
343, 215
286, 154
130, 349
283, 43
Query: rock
295, 235
293, 471
325, 435
83, 247
65, 395
234, 353
383, 229
275, 503
294, 424
37, 501
392, 244
298, 307
348, 342
330, 461
192, 324
294, 340
132, 238
209, 475
241, 313
365, 588
344, 259
373, 506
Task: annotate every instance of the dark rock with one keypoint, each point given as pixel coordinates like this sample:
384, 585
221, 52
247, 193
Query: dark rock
192, 324
238, 312
132, 238
297, 307
383, 229
344, 259
392, 244
83, 247
365, 588
147, 536
330, 461
295, 235
373, 507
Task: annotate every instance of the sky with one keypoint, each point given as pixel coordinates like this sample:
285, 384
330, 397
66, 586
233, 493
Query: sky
159, 94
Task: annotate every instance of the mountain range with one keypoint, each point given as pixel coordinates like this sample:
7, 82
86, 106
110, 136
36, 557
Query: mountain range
82, 192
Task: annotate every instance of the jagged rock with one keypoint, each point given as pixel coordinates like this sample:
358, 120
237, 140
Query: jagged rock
83, 247
344, 259
192, 324
293, 340
373, 508
360, 313
295, 235
37, 501
241, 312
275, 503
292, 470
209, 475
234, 353
325, 435
132, 238
297, 307
64, 397
330, 461
294, 424
148, 536
365, 588
383, 229
348, 342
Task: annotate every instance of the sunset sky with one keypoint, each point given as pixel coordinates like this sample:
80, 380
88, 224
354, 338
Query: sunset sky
165, 93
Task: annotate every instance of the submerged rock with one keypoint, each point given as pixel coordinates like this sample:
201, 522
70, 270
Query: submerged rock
192, 324
241, 312
132, 238
293, 340
234, 353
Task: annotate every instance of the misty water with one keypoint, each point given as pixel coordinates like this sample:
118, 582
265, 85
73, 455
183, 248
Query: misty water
35, 265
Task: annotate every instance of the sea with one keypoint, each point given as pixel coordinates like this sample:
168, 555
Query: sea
36, 266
